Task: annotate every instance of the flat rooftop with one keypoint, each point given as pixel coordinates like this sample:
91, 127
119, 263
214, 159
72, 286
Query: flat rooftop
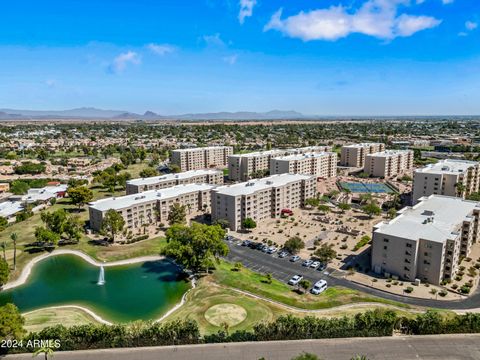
122, 202
388, 153
361, 145
303, 156
434, 218
253, 186
448, 166
202, 148
259, 153
168, 177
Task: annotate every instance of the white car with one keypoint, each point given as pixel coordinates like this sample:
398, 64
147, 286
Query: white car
319, 287
315, 264
307, 263
271, 249
295, 280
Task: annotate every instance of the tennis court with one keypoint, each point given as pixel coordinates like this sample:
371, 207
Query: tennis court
358, 187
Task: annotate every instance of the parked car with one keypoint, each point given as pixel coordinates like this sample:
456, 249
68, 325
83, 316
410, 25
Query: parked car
307, 263
245, 242
295, 279
260, 246
322, 267
283, 254
295, 258
315, 264
319, 287
265, 248
272, 249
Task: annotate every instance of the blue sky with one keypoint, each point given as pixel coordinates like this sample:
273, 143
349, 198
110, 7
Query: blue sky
343, 57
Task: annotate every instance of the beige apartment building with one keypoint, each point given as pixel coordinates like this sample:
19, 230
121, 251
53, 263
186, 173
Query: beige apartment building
150, 206
426, 241
209, 176
322, 164
243, 167
446, 177
201, 158
354, 155
388, 163
261, 199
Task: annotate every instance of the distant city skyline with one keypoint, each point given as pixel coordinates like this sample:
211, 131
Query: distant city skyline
330, 58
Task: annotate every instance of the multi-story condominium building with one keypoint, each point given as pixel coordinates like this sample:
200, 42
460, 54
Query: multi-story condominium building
446, 177
388, 163
242, 167
201, 158
144, 208
426, 241
354, 155
261, 199
209, 176
322, 164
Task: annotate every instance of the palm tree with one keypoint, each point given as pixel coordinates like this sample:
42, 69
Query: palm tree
460, 188
4, 247
47, 350
14, 238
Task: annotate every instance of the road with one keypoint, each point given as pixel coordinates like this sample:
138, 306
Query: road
283, 270
437, 347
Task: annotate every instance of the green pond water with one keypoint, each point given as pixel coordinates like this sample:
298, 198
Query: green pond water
131, 292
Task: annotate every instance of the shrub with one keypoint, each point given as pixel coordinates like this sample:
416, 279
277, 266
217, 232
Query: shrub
409, 290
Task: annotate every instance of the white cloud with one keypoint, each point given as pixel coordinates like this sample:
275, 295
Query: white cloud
470, 25
51, 83
231, 60
377, 18
120, 63
213, 40
246, 9
161, 49
446, 2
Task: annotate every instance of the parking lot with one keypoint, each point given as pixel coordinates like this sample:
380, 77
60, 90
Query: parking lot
280, 268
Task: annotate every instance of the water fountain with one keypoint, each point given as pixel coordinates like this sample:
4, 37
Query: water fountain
101, 276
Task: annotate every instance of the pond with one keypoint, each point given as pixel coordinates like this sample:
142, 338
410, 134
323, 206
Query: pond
131, 292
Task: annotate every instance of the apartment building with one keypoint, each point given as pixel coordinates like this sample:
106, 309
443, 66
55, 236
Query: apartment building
209, 176
388, 163
261, 199
145, 207
201, 158
426, 241
354, 155
242, 167
322, 164
446, 177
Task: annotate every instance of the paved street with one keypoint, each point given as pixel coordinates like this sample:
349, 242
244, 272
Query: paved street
438, 347
284, 269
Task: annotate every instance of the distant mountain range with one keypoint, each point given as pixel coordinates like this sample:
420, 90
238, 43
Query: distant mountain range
93, 113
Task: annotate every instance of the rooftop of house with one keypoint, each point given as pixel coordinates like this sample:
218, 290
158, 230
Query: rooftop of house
255, 185
122, 202
169, 177
388, 153
304, 156
435, 218
448, 166
202, 148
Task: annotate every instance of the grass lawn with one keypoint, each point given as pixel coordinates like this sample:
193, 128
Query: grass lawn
252, 282
39, 319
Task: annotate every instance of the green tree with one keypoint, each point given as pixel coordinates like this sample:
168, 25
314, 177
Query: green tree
344, 207
460, 189
55, 220
14, 238
11, 322
323, 208
177, 214
112, 224
3, 223
195, 247
45, 235
304, 284
325, 253
224, 223
249, 223
80, 195
4, 272
174, 168
371, 209
312, 202
392, 212
73, 228
46, 350
294, 244
148, 172
3, 245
